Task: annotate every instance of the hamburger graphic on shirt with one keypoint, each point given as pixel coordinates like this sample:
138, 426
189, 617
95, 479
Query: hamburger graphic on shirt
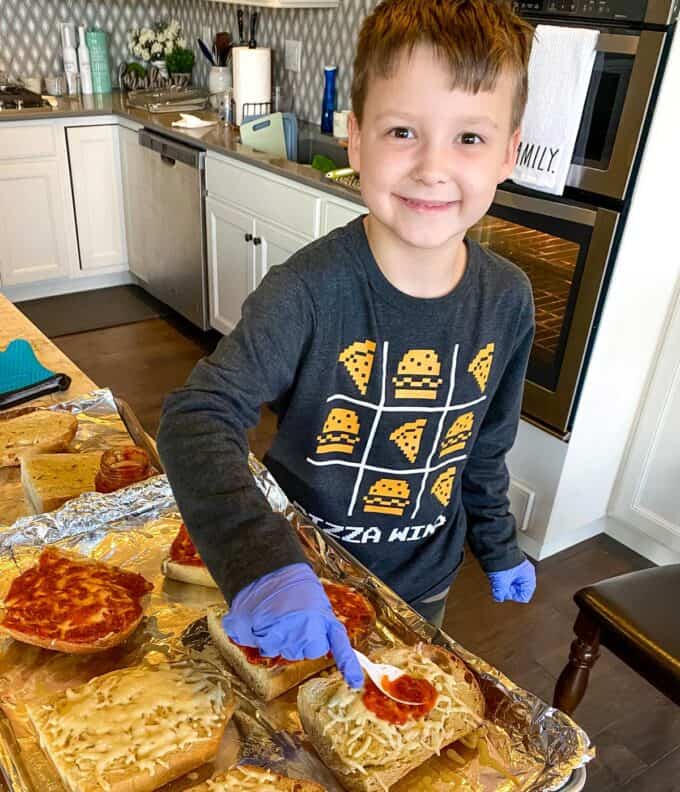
418, 375
340, 432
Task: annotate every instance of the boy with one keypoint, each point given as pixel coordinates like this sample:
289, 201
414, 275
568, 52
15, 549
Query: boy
392, 350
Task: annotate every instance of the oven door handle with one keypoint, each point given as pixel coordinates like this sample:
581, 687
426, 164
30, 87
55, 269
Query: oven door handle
540, 206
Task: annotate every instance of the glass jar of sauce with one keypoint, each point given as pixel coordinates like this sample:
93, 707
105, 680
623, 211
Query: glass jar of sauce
120, 467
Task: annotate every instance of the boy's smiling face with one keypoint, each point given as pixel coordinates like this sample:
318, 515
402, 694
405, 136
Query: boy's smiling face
431, 157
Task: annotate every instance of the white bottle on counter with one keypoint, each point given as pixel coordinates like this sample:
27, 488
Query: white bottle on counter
84, 62
70, 56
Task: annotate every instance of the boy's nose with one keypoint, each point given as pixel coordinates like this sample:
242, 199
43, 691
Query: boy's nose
430, 168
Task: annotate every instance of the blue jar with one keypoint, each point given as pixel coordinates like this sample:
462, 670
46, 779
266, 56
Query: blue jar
328, 103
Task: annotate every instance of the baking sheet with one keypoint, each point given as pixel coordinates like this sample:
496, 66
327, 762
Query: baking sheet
133, 528
100, 426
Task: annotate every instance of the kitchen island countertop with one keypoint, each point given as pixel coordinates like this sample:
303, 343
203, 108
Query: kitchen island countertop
221, 138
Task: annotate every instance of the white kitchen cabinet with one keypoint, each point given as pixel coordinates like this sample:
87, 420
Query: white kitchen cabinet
337, 213
232, 273
273, 245
98, 196
647, 494
32, 221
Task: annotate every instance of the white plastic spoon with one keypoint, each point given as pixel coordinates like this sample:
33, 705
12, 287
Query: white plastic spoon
376, 671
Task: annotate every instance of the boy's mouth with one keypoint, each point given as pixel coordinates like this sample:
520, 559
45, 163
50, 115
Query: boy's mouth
425, 206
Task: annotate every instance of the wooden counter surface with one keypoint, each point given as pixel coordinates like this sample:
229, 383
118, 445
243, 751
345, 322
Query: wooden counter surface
13, 324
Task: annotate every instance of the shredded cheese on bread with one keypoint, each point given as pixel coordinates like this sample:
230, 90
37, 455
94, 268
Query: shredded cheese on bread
363, 740
134, 720
249, 778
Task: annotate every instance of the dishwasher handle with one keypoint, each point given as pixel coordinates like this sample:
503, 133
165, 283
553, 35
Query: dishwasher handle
170, 150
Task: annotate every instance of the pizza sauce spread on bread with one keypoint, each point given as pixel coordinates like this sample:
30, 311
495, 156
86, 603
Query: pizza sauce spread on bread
183, 551
404, 687
351, 608
75, 601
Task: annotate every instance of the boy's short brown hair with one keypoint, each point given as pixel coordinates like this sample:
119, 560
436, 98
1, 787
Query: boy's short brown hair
478, 38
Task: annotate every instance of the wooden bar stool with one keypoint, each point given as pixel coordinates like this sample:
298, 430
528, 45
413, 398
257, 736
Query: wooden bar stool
637, 617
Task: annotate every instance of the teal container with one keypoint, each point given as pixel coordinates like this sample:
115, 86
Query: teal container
98, 44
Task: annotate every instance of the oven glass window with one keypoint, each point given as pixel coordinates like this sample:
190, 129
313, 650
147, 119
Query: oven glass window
552, 253
602, 110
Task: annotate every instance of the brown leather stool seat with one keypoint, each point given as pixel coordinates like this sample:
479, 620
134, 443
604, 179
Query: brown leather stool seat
636, 616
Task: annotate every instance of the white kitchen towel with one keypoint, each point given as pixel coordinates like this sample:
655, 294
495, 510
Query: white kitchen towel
189, 121
560, 69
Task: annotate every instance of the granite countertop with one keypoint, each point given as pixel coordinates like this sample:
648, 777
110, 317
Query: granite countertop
221, 138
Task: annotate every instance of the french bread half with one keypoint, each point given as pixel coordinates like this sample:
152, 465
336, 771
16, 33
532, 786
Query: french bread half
250, 778
49, 480
369, 754
186, 573
266, 683
135, 729
35, 432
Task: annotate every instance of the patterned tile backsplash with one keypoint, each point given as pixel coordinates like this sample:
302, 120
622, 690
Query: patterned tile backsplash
30, 45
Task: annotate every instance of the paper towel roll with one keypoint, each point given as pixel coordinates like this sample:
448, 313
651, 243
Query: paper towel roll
252, 80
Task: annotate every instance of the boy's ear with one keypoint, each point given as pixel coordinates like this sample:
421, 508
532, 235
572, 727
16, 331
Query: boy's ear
353, 147
510, 158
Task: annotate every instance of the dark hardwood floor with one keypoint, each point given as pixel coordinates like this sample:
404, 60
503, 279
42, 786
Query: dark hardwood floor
636, 730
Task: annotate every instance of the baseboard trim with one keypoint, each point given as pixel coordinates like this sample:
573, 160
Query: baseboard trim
550, 548
640, 542
34, 291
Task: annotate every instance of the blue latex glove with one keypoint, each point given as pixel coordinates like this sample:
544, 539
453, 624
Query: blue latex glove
287, 613
517, 584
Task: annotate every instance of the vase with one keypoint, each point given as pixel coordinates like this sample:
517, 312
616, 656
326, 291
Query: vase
219, 81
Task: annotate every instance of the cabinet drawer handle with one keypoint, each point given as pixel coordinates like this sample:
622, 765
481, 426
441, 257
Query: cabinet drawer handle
249, 237
257, 241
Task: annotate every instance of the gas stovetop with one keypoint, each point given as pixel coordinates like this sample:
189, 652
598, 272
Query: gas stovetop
16, 97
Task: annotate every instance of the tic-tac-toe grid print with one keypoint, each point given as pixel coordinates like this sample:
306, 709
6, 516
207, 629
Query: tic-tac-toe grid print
402, 424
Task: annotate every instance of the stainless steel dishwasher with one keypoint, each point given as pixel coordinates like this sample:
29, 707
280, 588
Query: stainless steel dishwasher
167, 213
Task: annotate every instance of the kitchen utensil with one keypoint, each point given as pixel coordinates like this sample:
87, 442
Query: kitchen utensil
253, 27
378, 671
223, 45
241, 36
206, 52
265, 134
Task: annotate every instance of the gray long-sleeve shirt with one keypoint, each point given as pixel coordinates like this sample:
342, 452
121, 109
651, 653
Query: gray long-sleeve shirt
395, 415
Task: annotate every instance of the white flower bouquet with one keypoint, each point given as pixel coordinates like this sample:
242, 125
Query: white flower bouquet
150, 44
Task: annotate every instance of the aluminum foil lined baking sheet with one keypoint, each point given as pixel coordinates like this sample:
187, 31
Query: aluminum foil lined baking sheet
133, 528
102, 424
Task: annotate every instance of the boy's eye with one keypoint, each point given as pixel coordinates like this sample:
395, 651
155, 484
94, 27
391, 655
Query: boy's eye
401, 132
469, 138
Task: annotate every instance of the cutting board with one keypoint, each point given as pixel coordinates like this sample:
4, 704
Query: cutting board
265, 134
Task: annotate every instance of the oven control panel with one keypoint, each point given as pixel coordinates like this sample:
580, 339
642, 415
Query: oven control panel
623, 10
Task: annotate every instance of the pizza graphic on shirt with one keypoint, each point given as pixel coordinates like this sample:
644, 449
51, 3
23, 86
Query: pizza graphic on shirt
358, 360
481, 365
443, 486
407, 438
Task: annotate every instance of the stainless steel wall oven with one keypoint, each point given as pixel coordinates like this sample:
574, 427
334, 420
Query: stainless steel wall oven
567, 245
